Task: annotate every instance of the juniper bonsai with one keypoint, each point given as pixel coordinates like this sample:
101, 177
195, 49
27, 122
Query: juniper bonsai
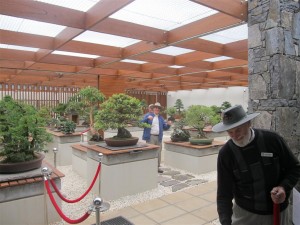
22, 131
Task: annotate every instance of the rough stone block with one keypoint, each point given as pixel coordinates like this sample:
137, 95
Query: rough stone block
254, 35
257, 87
274, 41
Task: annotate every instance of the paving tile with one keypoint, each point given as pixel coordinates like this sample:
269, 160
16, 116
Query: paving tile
208, 213
211, 185
176, 197
143, 220
178, 187
164, 214
169, 183
182, 177
195, 182
150, 205
192, 204
163, 178
211, 196
198, 190
187, 219
126, 212
171, 172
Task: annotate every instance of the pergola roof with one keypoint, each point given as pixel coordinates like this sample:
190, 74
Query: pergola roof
152, 45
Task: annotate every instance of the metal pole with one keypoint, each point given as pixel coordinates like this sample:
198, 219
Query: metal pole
97, 204
100, 161
55, 150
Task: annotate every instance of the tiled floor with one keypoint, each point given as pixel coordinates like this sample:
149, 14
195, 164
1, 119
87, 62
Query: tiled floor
192, 206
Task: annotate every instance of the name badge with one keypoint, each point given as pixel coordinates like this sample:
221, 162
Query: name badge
266, 154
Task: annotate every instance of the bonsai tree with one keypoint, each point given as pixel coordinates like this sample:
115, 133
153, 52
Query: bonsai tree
171, 111
179, 106
22, 131
179, 134
86, 104
117, 112
199, 116
225, 105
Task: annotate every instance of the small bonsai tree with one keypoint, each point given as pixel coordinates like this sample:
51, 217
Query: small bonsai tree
171, 111
225, 105
86, 103
179, 106
117, 112
199, 116
179, 134
22, 131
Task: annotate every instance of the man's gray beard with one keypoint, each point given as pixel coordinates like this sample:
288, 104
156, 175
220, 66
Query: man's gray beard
246, 140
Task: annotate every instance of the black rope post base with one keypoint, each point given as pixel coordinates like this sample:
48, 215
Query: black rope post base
120, 220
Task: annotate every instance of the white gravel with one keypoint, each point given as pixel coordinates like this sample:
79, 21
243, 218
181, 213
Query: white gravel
73, 186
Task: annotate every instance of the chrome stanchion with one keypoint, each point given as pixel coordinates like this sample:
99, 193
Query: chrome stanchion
55, 150
97, 204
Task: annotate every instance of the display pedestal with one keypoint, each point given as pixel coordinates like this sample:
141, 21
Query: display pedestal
123, 172
196, 159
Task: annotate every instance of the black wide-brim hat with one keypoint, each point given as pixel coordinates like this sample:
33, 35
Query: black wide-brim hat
233, 117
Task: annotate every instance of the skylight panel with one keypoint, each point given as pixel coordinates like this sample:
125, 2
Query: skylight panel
165, 15
216, 59
75, 54
105, 39
229, 35
16, 47
79, 5
133, 61
173, 51
176, 66
29, 26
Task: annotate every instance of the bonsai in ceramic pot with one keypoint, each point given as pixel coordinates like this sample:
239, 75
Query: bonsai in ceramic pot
179, 134
118, 112
22, 136
198, 117
86, 103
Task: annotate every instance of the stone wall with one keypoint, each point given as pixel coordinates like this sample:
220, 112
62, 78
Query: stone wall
274, 67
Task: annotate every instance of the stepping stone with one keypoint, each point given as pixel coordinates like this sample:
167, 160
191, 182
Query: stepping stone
161, 179
169, 183
195, 182
182, 177
178, 187
171, 173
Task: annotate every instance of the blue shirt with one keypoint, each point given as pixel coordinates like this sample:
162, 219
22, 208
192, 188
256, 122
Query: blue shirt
162, 126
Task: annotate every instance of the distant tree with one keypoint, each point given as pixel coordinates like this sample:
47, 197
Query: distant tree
225, 105
179, 105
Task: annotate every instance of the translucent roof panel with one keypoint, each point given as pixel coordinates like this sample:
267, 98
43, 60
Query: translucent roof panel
105, 39
133, 61
162, 14
16, 47
29, 26
176, 66
216, 59
75, 54
229, 35
173, 51
79, 5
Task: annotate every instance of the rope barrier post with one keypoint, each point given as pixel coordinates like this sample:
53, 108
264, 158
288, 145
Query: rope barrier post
45, 173
100, 155
55, 150
97, 205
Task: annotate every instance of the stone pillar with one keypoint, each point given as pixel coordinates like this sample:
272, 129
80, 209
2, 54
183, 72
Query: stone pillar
274, 67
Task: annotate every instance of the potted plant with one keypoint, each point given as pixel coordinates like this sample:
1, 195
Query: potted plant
22, 136
171, 111
116, 113
86, 103
180, 134
198, 117
68, 127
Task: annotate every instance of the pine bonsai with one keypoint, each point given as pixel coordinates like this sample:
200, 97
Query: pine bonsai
22, 131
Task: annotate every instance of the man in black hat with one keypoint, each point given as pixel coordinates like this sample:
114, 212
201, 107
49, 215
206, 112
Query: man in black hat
256, 168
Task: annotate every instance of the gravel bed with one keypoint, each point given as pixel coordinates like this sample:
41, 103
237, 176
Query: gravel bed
73, 186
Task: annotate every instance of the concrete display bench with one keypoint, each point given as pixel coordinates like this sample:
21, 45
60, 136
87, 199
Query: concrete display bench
196, 159
63, 144
22, 199
123, 172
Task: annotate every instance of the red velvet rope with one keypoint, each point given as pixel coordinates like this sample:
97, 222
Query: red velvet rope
62, 215
85, 131
84, 194
276, 214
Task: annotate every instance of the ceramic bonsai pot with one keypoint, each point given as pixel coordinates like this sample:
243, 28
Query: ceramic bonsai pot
22, 166
200, 141
119, 142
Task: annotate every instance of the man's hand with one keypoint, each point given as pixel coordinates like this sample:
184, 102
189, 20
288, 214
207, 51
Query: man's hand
150, 117
278, 195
